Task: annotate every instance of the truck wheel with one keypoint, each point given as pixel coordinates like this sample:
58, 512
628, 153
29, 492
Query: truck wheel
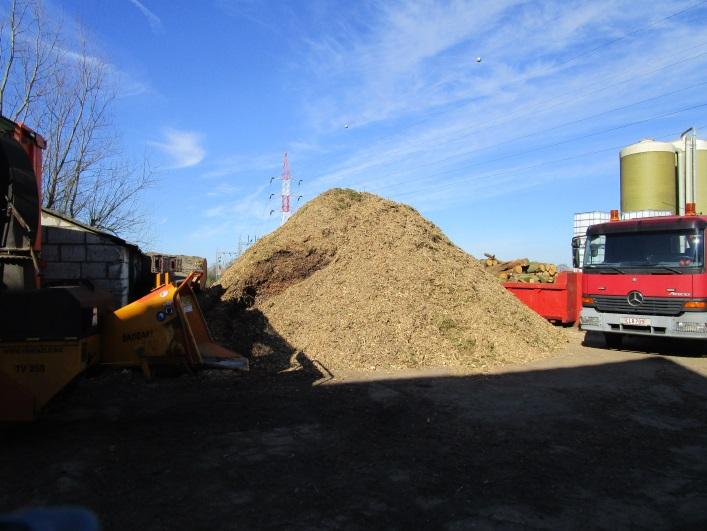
613, 340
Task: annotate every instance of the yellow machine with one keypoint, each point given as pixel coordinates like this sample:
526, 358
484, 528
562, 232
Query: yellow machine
30, 375
166, 326
49, 335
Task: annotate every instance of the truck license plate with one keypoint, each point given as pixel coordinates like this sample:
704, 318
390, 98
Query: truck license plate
635, 321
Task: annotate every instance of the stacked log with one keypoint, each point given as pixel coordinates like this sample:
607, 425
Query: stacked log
520, 270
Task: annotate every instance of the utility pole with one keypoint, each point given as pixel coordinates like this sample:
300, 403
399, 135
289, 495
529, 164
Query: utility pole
285, 191
244, 244
225, 257
222, 258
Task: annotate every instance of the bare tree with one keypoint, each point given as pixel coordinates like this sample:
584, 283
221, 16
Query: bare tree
111, 200
67, 95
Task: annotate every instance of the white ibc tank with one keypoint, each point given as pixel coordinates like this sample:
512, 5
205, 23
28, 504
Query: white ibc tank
583, 220
645, 214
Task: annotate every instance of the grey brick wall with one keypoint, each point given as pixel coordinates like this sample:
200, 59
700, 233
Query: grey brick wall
94, 270
71, 255
62, 235
72, 252
62, 271
105, 253
50, 253
118, 270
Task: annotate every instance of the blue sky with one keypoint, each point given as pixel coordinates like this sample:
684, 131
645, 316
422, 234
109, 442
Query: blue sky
498, 153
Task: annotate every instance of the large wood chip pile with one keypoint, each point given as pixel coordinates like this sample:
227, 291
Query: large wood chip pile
356, 281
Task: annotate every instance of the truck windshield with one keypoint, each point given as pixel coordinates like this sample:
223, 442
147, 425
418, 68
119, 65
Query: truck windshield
674, 251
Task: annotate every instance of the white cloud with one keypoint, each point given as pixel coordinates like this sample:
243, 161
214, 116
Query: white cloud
224, 189
182, 147
427, 112
154, 21
254, 205
127, 84
260, 166
263, 165
249, 214
544, 111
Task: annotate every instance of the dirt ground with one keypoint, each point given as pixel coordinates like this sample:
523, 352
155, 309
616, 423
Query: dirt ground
591, 438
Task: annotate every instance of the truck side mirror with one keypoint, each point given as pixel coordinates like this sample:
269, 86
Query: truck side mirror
575, 252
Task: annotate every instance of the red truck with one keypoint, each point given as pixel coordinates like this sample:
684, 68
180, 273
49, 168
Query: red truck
646, 277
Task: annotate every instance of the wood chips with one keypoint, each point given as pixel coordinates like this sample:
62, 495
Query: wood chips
353, 281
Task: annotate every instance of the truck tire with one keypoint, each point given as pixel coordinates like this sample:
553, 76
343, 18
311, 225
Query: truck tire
613, 341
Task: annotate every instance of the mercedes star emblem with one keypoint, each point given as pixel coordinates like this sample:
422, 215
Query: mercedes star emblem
635, 298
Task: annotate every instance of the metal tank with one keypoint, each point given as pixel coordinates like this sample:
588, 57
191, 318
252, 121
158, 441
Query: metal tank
648, 177
684, 165
701, 178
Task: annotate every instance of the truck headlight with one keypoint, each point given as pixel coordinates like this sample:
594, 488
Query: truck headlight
694, 328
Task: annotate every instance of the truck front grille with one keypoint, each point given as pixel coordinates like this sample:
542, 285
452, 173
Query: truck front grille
650, 306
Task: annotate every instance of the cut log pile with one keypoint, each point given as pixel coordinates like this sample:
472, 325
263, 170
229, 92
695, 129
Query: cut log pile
520, 270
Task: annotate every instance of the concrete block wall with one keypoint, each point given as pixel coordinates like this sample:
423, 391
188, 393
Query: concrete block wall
73, 254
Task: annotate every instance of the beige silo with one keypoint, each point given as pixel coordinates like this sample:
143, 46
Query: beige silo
648, 176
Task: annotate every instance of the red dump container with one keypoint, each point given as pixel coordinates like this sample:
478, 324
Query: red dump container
560, 301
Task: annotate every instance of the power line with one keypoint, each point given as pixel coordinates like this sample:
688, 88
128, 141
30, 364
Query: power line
588, 52
370, 54
509, 117
634, 32
541, 132
458, 182
591, 51
543, 147
577, 99
562, 142
601, 86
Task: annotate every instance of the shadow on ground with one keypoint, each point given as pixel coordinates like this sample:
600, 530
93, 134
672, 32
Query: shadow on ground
612, 445
667, 346
240, 326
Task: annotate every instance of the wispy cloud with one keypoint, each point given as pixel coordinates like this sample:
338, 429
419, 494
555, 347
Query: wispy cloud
183, 148
562, 85
249, 214
127, 85
230, 165
253, 205
259, 165
253, 11
224, 189
154, 21
424, 111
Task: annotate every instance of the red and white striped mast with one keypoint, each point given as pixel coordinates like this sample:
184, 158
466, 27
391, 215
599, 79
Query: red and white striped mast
285, 190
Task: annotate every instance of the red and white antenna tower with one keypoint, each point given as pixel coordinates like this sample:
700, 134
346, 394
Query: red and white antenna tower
285, 190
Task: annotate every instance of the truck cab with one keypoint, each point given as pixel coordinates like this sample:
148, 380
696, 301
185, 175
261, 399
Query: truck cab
645, 277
